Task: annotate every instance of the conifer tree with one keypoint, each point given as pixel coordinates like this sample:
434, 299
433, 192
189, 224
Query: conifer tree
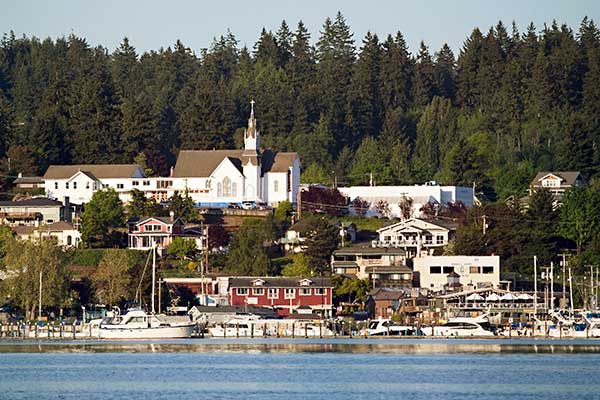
396, 73
424, 85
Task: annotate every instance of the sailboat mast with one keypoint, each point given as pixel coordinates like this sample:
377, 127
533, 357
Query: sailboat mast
153, 273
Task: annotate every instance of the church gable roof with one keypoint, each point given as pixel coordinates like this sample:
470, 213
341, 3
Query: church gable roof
273, 161
202, 163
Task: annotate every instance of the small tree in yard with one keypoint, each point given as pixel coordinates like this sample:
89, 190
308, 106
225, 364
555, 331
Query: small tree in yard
360, 206
383, 208
321, 240
405, 206
111, 279
101, 214
182, 248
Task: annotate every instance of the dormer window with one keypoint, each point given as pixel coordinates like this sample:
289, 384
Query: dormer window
305, 282
258, 282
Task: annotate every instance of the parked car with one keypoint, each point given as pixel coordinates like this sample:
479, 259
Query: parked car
233, 205
248, 205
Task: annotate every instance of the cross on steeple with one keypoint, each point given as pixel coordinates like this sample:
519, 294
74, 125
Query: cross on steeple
252, 107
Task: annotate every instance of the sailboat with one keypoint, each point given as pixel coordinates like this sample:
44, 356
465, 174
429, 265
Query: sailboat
137, 324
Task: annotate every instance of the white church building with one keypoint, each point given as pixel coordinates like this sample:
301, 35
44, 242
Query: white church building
213, 178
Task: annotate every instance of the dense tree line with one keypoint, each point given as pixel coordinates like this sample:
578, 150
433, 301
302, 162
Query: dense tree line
509, 104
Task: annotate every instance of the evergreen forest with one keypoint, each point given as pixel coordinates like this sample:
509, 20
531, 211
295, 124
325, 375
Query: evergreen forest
509, 104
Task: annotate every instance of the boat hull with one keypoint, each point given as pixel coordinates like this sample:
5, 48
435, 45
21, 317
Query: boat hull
159, 332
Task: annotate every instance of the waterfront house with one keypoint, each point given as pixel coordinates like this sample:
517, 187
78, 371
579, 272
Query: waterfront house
283, 294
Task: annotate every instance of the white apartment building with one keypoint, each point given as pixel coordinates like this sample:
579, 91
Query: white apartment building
474, 271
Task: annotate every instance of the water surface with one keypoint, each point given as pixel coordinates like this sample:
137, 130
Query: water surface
299, 369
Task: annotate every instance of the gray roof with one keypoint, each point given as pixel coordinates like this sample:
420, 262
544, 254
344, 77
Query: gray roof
33, 202
55, 227
388, 293
569, 177
201, 163
102, 171
28, 179
271, 281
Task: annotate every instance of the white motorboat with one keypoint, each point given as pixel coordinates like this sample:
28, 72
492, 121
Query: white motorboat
310, 329
387, 327
137, 324
461, 327
237, 327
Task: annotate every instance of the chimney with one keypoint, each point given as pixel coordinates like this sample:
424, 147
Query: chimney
172, 216
171, 172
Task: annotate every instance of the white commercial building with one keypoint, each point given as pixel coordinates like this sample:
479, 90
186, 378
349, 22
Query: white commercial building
419, 195
474, 271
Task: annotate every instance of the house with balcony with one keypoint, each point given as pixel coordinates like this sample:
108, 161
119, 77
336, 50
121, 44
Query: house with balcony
417, 236
32, 212
557, 182
145, 232
384, 266
283, 294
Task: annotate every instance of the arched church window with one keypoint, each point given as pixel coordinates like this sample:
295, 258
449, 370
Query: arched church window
219, 189
276, 186
234, 189
226, 187
207, 184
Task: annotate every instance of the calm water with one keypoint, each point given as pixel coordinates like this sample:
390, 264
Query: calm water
300, 369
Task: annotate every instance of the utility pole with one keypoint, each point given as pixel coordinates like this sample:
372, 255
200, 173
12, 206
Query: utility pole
483, 217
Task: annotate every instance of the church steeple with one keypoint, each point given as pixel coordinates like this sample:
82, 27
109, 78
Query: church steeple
251, 135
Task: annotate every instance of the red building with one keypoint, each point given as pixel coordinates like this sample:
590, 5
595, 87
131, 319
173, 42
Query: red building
283, 294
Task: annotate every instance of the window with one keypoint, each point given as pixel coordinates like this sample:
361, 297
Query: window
290, 293
487, 270
74, 185
87, 185
105, 186
428, 239
119, 186
305, 292
387, 238
289, 181
439, 239
435, 270
447, 270
146, 183
69, 240
135, 183
164, 184
273, 293
276, 186
207, 184
258, 291
473, 269
242, 291
234, 189
320, 291
55, 185
66, 185
219, 189
226, 187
